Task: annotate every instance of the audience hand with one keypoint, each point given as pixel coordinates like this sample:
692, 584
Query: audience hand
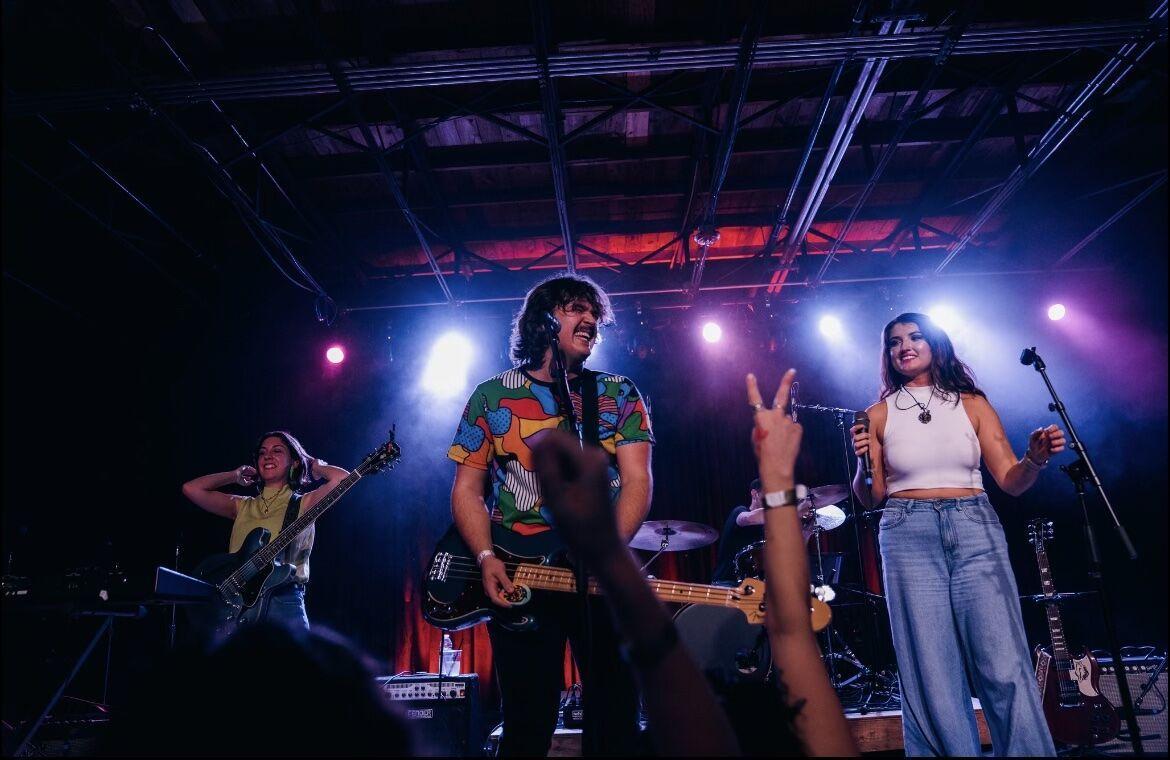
575, 485
775, 437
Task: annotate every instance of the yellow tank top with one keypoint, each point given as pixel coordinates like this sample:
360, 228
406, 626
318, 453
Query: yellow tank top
267, 511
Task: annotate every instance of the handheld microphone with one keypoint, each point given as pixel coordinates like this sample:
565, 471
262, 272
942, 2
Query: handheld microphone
551, 323
861, 418
1027, 356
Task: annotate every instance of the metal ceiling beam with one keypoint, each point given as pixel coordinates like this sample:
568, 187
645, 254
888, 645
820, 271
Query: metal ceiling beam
749, 38
637, 58
616, 293
595, 149
374, 151
1119, 65
1158, 182
854, 110
915, 111
551, 118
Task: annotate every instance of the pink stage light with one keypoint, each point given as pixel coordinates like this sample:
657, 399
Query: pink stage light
712, 332
1057, 311
335, 354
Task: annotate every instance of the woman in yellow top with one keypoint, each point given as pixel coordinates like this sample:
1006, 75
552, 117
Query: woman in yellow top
280, 470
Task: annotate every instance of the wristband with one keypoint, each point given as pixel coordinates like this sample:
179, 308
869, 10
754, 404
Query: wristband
479, 558
787, 498
1031, 465
649, 654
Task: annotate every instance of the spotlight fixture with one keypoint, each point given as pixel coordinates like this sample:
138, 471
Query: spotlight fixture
335, 355
1057, 311
712, 332
705, 236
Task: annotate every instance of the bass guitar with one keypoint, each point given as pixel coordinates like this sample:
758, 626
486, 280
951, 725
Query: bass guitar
1076, 711
245, 579
454, 599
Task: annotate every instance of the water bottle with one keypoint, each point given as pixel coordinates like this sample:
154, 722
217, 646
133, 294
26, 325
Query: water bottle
452, 657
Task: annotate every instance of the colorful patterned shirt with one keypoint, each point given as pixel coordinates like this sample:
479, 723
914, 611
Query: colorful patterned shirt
507, 415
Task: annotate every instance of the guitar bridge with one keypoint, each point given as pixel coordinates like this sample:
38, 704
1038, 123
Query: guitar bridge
439, 567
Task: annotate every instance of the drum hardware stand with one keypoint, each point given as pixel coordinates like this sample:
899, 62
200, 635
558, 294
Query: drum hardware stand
866, 675
1080, 471
664, 547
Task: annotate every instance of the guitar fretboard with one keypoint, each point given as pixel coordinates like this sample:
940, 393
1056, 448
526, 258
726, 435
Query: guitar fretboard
549, 578
1060, 657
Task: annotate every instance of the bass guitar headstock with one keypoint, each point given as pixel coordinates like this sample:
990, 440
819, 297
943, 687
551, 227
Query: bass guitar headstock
1039, 532
382, 458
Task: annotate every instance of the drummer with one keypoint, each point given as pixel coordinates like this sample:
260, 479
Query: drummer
745, 526
739, 532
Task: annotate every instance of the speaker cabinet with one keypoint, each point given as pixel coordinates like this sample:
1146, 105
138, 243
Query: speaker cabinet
1146, 677
443, 713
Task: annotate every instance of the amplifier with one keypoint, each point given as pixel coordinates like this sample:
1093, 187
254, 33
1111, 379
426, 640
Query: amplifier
444, 714
1146, 676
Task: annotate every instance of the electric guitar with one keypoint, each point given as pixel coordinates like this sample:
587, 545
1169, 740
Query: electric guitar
1076, 711
245, 579
454, 599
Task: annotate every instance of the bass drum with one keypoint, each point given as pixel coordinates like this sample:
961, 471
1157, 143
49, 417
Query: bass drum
724, 644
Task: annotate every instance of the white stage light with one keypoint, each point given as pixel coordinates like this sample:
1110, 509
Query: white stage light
446, 371
831, 327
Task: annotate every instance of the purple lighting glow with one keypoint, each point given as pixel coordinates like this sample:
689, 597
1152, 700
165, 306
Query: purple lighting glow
335, 354
1057, 311
712, 332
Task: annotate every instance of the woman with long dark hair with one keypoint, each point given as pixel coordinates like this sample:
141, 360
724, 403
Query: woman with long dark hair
280, 471
953, 603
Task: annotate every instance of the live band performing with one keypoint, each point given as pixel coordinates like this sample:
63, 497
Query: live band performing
620, 379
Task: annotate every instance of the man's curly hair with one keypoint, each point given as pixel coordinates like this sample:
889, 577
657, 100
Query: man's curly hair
529, 337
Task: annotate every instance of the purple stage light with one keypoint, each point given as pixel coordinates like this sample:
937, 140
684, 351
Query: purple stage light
335, 354
712, 332
1057, 311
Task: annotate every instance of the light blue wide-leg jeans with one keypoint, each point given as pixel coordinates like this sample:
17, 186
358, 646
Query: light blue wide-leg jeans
954, 613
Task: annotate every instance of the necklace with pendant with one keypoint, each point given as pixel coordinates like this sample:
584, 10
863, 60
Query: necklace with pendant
924, 415
266, 503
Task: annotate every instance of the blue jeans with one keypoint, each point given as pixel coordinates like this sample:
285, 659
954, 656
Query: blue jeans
954, 614
287, 606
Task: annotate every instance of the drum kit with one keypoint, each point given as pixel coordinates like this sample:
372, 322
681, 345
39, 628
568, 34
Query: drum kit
723, 642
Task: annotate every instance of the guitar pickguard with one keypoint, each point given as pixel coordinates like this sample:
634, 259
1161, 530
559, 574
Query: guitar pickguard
1082, 671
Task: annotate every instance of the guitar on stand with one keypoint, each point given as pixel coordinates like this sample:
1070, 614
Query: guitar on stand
1076, 711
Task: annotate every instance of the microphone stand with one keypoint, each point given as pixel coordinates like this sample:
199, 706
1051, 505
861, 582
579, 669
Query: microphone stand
1080, 471
560, 374
868, 674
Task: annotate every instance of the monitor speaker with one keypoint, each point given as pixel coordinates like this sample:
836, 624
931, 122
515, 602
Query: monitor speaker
444, 713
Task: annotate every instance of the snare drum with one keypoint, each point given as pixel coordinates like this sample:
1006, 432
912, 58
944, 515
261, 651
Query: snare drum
724, 644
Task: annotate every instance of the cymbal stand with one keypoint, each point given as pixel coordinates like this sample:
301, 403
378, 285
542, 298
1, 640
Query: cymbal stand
667, 532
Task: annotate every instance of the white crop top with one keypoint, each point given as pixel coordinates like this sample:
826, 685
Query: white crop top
943, 453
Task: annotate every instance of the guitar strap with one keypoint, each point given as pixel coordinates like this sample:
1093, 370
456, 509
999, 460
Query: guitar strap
589, 418
290, 515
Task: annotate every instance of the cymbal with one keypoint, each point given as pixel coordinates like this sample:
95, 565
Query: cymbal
678, 535
824, 495
827, 517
